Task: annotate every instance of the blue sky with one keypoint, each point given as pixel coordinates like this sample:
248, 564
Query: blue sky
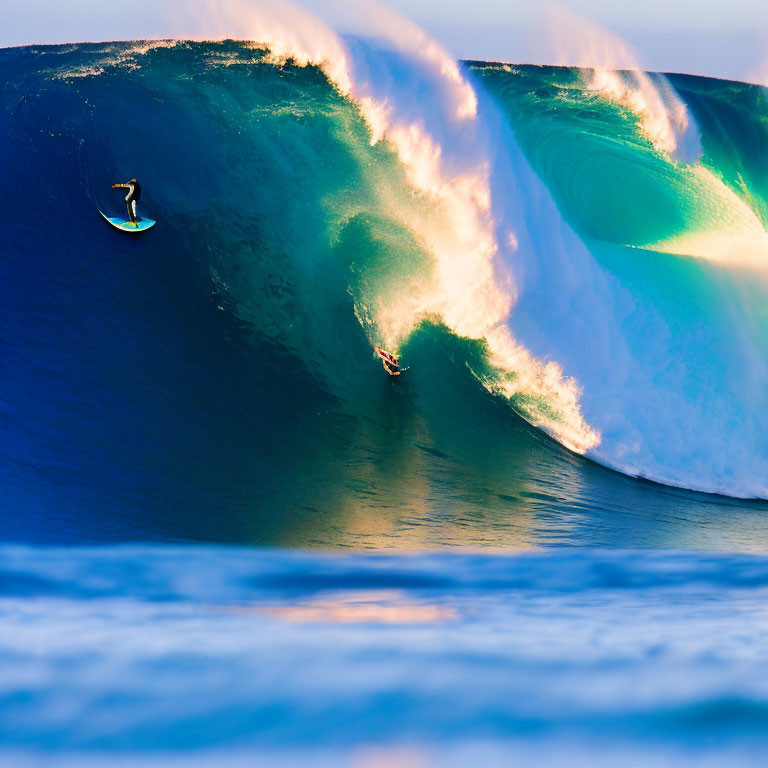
726, 38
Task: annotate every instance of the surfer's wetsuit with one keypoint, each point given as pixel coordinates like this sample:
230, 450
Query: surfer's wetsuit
133, 197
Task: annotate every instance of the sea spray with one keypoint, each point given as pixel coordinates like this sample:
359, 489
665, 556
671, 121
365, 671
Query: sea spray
611, 68
470, 291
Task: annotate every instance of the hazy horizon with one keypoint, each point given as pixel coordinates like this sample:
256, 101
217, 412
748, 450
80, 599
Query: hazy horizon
721, 39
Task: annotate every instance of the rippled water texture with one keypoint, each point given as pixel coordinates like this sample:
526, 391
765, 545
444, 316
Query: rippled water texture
166, 655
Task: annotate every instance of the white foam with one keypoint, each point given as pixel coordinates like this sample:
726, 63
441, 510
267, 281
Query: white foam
611, 68
115, 56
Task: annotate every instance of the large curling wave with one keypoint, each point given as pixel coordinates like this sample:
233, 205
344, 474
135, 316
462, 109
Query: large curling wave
520, 227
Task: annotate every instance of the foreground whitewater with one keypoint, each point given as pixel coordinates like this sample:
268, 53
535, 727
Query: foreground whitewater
181, 656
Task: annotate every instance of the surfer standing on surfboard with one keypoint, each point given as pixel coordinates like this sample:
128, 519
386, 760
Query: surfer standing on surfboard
133, 196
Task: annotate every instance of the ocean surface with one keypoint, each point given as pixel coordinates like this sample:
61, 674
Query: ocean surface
228, 537
214, 656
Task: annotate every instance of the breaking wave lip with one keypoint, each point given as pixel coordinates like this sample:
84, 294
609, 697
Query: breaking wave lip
610, 67
116, 56
447, 159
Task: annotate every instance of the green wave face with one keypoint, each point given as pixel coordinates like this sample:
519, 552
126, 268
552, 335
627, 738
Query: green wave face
610, 181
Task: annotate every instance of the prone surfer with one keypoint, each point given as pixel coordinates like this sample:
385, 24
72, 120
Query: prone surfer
133, 196
389, 361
